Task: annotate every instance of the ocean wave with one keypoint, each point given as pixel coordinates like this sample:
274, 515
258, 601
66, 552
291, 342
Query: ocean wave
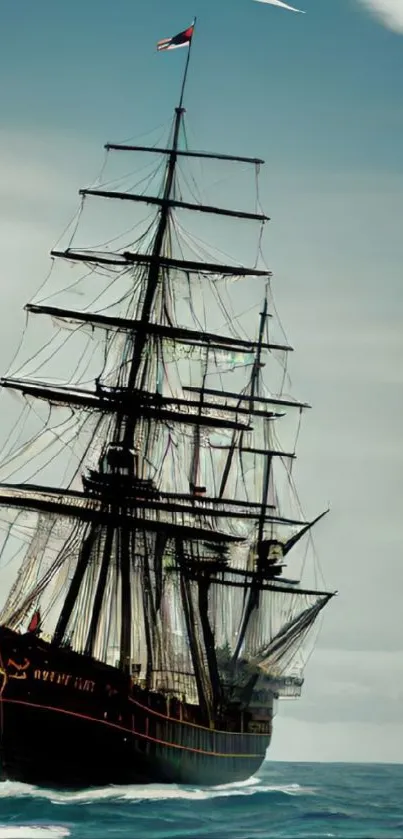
151, 792
21, 831
309, 801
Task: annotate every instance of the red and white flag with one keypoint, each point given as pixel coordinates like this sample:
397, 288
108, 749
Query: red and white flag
182, 40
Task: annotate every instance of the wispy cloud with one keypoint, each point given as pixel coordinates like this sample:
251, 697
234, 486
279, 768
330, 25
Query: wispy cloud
283, 5
390, 12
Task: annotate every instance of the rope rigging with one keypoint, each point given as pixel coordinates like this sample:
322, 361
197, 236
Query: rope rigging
171, 526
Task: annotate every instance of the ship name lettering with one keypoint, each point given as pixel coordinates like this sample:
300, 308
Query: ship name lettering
53, 676
65, 679
84, 684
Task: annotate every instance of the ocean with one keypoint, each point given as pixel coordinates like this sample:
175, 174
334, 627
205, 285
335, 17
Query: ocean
295, 800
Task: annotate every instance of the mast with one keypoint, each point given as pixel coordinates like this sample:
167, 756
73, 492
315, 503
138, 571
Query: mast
124, 537
252, 597
185, 75
254, 379
154, 270
254, 389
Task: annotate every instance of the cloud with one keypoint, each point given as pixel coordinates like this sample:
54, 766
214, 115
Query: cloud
283, 5
361, 742
350, 709
351, 686
390, 12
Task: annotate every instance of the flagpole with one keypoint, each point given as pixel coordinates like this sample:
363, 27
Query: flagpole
185, 75
154, 270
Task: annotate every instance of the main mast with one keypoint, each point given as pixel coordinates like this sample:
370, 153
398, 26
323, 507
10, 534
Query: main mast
154, 270
126, 424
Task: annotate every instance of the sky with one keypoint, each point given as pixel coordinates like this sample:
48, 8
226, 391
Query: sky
319, 97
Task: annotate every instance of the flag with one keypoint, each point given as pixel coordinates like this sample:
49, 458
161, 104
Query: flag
182, 40
34, 624
283, 5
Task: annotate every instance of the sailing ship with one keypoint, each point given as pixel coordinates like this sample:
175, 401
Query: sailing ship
148, 628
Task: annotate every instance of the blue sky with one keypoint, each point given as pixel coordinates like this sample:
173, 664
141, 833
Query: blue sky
319, 96
323, 90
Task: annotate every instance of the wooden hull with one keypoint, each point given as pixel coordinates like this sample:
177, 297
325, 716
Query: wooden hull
69, 721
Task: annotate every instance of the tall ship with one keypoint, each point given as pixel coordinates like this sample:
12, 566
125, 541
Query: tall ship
148, 621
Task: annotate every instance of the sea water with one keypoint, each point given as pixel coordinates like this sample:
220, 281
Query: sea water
297, 800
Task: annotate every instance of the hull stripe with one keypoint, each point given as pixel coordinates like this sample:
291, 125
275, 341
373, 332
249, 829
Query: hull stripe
130, 731
150, 711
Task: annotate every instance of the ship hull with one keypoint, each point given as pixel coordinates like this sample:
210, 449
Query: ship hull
68, 721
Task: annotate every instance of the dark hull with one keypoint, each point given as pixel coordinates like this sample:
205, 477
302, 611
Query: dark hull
68, 721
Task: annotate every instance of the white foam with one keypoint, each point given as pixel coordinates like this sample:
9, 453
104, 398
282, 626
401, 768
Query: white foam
152, 792
239, 784
21, 831
163, 792
14, 789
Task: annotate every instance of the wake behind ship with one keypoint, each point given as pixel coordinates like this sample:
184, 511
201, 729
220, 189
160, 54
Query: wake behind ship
147, 504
